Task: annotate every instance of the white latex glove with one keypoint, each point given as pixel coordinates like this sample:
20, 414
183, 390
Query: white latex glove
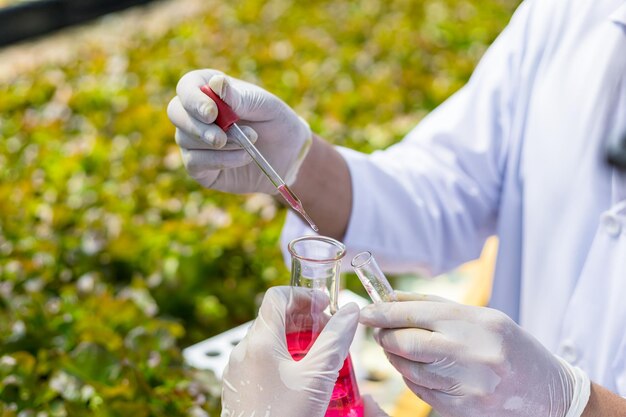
215, 160
474, 361
262, 379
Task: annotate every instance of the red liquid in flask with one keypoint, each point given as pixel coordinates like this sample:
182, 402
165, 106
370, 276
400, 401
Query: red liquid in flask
345, 400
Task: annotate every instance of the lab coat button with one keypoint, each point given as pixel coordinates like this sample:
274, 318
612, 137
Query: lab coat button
569, 352
612, 225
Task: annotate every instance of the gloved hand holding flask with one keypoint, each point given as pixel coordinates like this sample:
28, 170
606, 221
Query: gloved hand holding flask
262, 377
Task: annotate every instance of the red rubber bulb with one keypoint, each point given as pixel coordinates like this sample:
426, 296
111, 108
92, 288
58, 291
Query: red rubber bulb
225, 115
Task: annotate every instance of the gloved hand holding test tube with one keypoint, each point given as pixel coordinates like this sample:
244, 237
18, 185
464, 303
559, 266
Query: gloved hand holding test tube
372, 278
227, 120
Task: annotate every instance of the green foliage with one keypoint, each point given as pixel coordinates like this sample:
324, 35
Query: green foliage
112, 259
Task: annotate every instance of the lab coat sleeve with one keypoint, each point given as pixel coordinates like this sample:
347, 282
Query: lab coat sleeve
429, 202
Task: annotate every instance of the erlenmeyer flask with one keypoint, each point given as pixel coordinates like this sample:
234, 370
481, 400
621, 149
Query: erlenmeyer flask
315, 270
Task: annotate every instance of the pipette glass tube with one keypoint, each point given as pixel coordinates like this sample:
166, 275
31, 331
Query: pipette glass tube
268, 170
226, 120
372, 278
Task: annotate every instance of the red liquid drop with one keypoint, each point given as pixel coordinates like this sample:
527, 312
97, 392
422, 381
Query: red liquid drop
345, 400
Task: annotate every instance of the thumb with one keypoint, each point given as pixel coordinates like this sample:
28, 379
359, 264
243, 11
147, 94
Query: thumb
222, 86
249, 101
331, 347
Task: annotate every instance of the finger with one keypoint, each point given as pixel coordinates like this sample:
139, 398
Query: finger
418, 373
412, 296
193, 142
221, 85
193, 100
247, 130
269, 326
307, 300
305, 311
414, 314
188, 141
330, 350
266, 338
198, 162
211, 134
247, 100
278, 301
371, 408
413, 344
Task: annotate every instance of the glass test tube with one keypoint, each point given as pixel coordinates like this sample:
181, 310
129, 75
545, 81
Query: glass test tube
372, 278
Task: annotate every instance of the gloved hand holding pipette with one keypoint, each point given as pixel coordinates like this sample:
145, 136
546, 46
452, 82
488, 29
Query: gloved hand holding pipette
216, 160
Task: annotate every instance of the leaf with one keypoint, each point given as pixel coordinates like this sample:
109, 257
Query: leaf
92, 363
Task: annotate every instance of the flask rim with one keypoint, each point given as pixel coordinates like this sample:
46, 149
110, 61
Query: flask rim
325, 239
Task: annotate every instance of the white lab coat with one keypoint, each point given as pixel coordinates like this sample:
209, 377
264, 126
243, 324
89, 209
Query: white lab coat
519, 152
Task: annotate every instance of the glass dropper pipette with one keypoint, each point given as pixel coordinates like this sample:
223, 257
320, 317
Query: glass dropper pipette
227, 121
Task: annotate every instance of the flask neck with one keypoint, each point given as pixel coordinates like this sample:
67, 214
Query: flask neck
322, 277
316, 264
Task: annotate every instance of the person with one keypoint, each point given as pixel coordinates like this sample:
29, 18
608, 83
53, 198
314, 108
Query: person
518, 152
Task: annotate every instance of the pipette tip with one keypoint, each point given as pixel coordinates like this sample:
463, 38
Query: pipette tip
310, 221
296, 204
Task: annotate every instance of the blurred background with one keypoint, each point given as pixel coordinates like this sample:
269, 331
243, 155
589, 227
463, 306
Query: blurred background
111, 258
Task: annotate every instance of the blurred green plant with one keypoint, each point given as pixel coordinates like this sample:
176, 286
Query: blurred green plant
112, 259
4, 3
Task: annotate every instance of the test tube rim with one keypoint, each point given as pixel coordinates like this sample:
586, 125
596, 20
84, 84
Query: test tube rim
365, 262
325, 239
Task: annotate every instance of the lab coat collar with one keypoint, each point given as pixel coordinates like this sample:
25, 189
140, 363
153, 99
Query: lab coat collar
619, 15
